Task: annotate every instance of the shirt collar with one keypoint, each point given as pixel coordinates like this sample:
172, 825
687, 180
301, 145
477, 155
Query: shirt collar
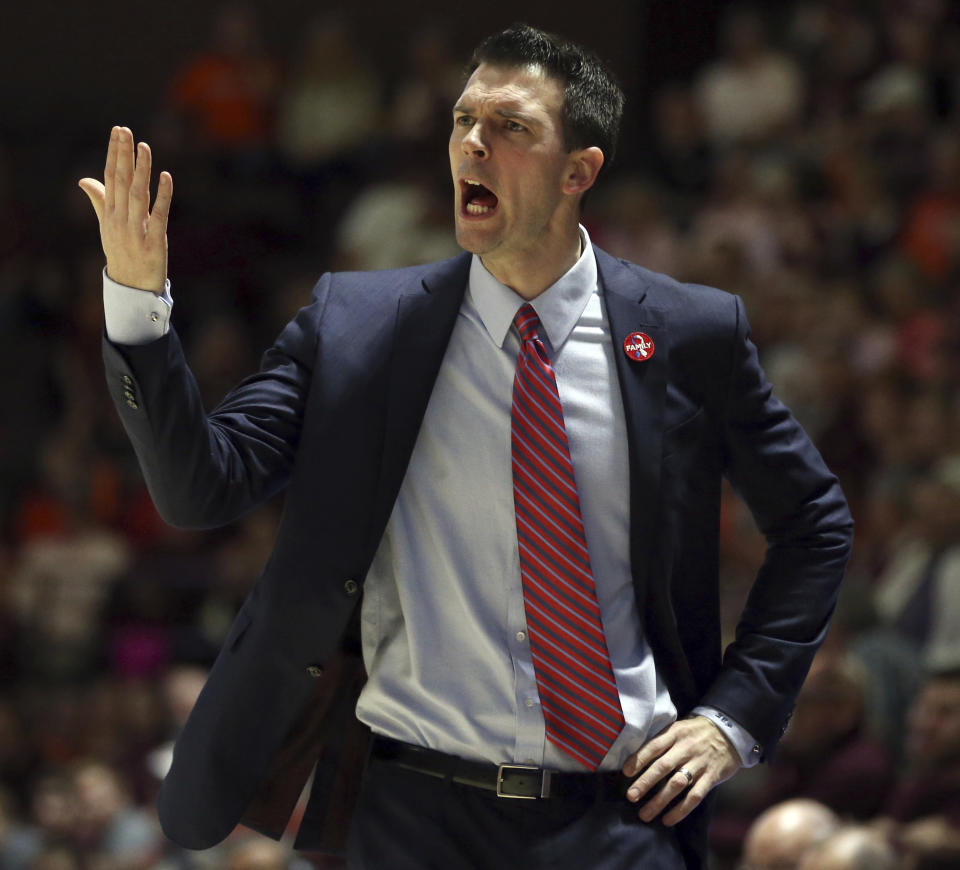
559, 306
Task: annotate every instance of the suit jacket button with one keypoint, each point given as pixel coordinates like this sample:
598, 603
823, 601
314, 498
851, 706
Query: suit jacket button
351, 587
132, 404
127, 381
315, 671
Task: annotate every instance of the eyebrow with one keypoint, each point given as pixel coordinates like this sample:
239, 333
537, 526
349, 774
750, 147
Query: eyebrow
506, 112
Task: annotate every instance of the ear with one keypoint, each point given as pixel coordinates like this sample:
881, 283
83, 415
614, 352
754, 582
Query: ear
582, 169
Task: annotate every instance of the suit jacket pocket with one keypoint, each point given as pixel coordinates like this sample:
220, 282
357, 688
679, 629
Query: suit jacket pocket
684, 434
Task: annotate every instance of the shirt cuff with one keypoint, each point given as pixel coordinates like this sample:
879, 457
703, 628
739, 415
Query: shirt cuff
747, 748
135, 316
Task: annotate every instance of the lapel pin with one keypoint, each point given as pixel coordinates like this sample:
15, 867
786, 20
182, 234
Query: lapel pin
638, 346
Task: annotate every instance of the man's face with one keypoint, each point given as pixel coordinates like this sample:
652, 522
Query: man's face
508, 137
933, 739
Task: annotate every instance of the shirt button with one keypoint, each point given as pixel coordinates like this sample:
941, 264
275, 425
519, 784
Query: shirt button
529, 702
154, 316
521, 636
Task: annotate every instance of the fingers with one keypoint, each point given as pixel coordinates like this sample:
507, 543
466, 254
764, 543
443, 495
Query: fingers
659, 784
95, 193
157, 227
678, 795
689, 801
649, 752
678, 768
123, 173
134, 238
139, 205
110, 168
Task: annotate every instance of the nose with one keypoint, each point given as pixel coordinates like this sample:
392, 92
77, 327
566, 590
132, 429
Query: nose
473, 144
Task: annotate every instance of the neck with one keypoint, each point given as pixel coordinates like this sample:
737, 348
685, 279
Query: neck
532, 272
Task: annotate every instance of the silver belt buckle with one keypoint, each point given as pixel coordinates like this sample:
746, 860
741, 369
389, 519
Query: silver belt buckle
544, 781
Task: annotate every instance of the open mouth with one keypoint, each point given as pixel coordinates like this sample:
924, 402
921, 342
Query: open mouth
477, 199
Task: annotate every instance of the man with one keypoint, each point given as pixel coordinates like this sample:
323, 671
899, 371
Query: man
780, 836
527, 632
923, 811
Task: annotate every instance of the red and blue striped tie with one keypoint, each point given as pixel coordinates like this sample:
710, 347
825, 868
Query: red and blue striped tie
578, 694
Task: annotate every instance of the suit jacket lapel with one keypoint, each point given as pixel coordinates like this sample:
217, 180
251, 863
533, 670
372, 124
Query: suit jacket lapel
425, 319
643, 388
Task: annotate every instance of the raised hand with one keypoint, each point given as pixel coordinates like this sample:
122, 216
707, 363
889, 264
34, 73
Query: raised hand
133, 236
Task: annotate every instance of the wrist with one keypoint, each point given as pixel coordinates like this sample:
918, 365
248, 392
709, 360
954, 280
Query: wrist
136, 282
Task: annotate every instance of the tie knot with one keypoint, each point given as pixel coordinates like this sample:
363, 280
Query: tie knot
527, 323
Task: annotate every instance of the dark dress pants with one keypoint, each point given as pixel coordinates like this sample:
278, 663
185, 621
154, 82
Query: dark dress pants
406, 820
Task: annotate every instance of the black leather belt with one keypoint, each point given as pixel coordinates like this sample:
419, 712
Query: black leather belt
504, 780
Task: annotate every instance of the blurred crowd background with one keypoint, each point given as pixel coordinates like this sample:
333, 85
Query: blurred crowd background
803, 154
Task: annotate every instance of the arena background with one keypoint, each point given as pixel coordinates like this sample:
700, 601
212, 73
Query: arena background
833, 209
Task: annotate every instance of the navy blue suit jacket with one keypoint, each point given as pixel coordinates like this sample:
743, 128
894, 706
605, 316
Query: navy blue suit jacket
332, 416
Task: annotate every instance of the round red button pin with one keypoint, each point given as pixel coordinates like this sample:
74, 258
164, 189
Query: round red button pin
638, 346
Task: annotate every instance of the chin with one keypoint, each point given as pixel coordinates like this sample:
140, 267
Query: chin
474, 240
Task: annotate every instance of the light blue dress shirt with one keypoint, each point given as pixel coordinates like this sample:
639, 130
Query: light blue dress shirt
443, 628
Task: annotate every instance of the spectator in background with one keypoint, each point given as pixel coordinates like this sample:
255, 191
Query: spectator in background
891, 668
681, 156
53, 808
897, 107
420, 101
181, 688
782, 835
330, 116
261, 854
851, 848
837, 46
632, 223
59, 858
755, 208
108, 823
931, 232
827, 756
225, 96
916, 329
332, 103
753, 92
924, 808
827, 753
401, 220
19, 843
60, 583
917, 592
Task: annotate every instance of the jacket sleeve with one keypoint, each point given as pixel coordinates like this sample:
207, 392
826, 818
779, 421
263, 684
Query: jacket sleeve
800, 509
205, 470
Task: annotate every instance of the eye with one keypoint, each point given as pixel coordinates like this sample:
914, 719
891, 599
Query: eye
515, 127
463, 120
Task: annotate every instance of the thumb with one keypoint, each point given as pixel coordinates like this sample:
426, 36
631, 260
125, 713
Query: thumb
95, 192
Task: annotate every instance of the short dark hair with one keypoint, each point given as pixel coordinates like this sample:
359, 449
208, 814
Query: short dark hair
592, 99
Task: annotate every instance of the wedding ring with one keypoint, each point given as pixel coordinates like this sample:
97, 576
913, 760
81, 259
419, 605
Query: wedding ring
686, 773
